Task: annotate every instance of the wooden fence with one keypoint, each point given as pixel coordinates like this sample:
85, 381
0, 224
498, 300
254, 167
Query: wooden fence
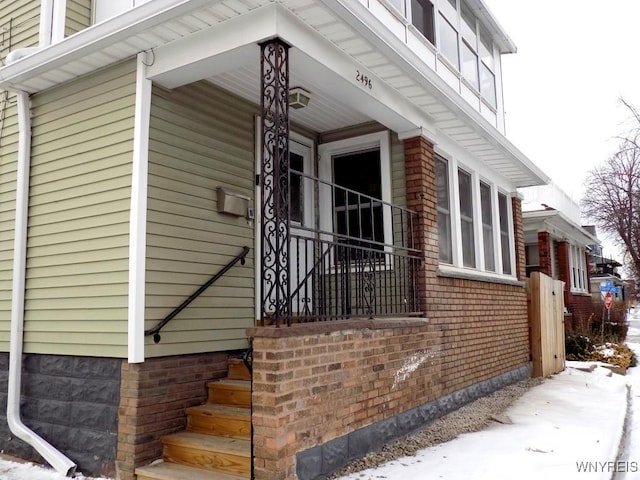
546, 320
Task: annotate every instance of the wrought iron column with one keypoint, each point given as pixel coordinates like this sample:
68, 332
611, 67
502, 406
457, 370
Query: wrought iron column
274, 182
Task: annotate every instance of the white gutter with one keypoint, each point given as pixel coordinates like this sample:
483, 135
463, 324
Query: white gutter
55, 458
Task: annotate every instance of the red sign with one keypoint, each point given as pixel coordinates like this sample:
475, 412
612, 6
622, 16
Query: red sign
608, 300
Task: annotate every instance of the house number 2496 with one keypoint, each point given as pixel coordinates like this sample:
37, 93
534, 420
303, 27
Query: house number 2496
363, 79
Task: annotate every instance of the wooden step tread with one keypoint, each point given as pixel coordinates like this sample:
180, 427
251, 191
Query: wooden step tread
211, 409
202, 441
174, 471
223, 420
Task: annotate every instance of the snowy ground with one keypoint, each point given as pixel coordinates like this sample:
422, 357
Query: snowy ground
569, 427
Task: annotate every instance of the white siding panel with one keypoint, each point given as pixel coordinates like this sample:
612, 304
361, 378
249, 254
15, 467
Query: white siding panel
77, 257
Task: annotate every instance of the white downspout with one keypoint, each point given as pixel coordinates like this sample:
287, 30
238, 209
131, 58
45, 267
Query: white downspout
55, 458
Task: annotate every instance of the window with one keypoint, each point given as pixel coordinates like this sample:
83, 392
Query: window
505, 244
487, 77
470, 65
444, 212
296, 194
422, 18
357, 216
359, 168
578, 268
487, 226
474, 221
449, 42
466, 219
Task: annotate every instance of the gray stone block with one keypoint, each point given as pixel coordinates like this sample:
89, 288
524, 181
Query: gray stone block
102, 391
55, 365
309, 464
409, 421
94, 416
334, 454
91, 367
361, 442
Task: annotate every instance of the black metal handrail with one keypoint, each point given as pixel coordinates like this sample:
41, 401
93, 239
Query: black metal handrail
155, 330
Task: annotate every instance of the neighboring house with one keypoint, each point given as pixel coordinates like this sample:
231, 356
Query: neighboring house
557, 245
604, 271
385, 265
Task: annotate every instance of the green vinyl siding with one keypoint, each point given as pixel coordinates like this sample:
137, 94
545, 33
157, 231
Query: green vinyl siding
19, 25
78, 16
8, 164
77, 250
200, 138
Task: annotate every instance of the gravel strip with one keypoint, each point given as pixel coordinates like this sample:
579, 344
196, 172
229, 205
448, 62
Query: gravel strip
470, 418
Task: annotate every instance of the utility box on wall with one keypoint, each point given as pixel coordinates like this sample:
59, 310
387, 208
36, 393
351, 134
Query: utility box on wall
233, 203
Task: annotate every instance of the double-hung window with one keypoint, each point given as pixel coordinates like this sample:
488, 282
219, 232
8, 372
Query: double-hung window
578, 268
475, 228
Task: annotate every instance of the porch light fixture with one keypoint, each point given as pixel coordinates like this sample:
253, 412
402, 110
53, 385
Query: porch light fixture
299, 98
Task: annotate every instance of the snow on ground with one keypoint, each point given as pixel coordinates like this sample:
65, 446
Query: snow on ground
571, 418
10, 470
631, 450
569, 427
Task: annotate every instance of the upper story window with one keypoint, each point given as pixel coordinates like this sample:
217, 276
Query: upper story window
422, 18
476, 231
455, 31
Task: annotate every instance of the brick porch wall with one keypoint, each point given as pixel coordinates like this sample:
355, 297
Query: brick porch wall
153, 399
484, 325
313, 383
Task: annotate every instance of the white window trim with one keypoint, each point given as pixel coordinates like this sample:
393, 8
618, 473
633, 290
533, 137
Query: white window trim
456, 234
327, 151
578, 261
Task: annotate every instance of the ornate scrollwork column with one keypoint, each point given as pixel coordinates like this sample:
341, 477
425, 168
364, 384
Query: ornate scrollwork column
274, 181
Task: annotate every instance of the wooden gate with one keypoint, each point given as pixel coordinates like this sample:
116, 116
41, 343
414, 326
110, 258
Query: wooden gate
546, 324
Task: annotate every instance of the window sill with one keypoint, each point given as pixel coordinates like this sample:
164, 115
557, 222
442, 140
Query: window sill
580, 292
449, 271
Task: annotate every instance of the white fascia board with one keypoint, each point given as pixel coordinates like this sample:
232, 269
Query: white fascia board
96, 37
361, 19
545, 219
212, 51
488, 20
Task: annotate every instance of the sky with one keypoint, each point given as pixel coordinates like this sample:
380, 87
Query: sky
575, 59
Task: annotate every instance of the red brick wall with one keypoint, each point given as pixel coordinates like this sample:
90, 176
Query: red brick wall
153, 399
564, 269
316, 382
544, 251
485, 330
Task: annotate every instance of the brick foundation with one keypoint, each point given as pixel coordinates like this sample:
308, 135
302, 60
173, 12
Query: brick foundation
153, 399
313, 383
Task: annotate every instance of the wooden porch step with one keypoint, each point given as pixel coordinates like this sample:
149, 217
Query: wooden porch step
226, 455
230, 392
173, 471
222, 420
238, 370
